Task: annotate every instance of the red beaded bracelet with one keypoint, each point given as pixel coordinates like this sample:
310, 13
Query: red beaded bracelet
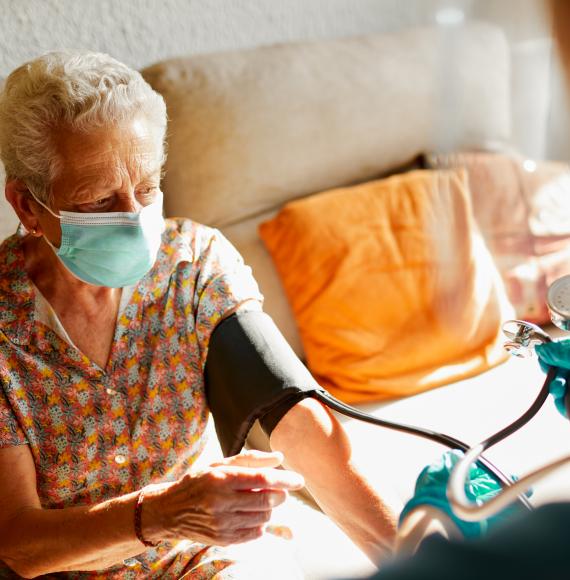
138, 521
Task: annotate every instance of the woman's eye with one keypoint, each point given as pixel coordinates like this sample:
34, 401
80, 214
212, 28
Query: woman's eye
147, 193
96, 204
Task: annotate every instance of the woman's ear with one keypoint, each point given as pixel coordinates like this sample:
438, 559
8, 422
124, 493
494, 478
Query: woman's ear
18, 195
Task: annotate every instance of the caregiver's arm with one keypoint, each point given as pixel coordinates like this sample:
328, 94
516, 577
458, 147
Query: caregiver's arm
209, 506
315, 445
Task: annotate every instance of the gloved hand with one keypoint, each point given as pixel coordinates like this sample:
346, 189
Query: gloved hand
557, 355
431, 489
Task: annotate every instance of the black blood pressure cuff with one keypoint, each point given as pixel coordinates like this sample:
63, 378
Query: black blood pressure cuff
252, 373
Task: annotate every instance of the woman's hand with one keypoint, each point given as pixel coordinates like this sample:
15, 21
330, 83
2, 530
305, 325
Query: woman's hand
227, 503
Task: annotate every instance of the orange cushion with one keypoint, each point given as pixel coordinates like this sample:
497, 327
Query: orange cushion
392, 288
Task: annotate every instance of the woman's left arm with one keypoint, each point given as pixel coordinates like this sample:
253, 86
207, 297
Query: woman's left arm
315, 444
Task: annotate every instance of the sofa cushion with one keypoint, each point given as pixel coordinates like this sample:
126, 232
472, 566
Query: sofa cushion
245, 238
392, 287
252, 129
522, 209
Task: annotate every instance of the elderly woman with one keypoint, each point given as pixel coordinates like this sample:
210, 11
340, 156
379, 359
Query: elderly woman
106, 313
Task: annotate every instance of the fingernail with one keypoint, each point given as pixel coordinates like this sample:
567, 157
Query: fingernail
280, 531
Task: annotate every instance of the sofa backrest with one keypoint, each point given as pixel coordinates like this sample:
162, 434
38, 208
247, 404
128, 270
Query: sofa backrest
250, 130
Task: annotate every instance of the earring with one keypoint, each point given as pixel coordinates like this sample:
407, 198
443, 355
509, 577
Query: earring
33, 231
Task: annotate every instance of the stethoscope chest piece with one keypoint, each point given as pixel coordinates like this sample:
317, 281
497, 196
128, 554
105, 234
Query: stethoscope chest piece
524, 336
558, 302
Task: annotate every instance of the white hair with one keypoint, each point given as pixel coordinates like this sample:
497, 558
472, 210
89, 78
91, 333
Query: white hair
66, 90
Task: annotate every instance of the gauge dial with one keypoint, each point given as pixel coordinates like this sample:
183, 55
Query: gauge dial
558, 301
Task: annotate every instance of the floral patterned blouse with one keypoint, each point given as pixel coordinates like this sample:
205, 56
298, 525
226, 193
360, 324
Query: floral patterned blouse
99, 433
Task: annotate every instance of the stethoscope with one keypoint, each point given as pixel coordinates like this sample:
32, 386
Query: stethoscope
523, 337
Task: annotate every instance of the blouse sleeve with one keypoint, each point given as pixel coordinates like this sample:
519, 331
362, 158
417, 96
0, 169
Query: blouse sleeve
224, 285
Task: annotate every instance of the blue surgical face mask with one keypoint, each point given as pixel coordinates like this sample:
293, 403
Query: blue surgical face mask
113, 249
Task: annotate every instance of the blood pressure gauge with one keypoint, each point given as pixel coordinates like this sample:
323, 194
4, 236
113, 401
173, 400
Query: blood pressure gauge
558, 302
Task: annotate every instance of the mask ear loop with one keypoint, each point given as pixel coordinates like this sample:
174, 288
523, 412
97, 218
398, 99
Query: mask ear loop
34, 230
44, 205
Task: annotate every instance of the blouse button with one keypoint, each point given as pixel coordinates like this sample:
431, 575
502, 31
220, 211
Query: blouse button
130, 562
111, 392
120, 459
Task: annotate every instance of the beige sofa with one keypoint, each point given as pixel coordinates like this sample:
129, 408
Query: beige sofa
252, 130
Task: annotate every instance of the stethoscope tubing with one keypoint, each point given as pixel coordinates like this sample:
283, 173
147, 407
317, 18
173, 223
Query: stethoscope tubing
447, 440
512, 491
471, 512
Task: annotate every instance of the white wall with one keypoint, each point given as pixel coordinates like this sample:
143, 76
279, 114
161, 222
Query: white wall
141, 32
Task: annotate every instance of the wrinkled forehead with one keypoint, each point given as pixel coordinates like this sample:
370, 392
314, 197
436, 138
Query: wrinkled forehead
131, 150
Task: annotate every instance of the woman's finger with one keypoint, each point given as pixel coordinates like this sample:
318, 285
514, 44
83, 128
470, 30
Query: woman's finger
252, 479
255, 501
253, 458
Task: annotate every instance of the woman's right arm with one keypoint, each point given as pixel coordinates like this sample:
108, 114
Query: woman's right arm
36, 541
209, 507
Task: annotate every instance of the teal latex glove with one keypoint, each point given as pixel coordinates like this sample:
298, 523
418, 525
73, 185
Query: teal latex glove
557, 355
431, 489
